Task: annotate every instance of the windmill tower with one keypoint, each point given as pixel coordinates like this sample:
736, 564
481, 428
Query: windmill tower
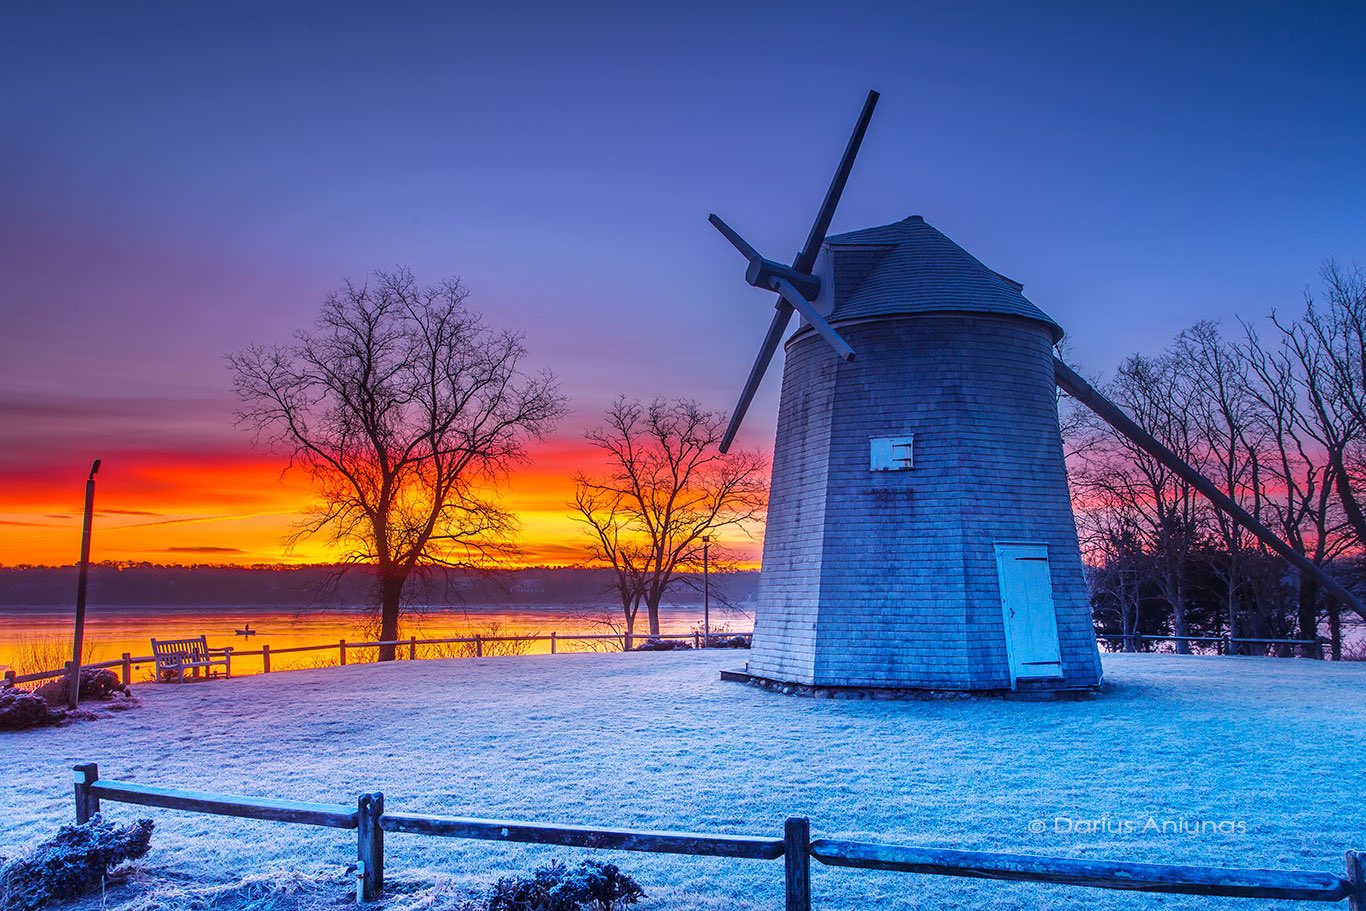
920, 533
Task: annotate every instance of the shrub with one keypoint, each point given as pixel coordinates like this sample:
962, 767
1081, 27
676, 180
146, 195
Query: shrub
96, 683
606, 888
19, 710
545, 891
661, 645
36, 654
729, 641
73, 863
555, 887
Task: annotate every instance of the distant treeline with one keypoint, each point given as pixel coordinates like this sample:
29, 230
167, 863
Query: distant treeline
147, 583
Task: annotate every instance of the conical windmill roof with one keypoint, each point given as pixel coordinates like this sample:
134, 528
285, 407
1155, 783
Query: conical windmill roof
910, 267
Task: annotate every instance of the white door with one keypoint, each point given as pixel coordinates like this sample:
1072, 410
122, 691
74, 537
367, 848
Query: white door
1027, 602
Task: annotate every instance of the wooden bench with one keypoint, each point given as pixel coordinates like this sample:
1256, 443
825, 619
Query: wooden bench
175, 656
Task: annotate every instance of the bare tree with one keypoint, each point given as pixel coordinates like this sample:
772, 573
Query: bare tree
1299, 439
1328, 344
1162, 508
405, 409
666, 486
1227, 432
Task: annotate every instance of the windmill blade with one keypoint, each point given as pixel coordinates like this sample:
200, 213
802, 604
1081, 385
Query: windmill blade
756, 373
806, 259
805, 308
735, 239
1077, 387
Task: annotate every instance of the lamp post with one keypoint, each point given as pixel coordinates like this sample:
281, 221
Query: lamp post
706, 593
73, 695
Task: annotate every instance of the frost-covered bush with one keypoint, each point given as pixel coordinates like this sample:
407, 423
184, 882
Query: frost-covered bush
728, 642
605, 887
591, 886
19, 710
72, 863
661, 645
96, 683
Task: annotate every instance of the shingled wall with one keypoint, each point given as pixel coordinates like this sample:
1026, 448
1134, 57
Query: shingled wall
888, 579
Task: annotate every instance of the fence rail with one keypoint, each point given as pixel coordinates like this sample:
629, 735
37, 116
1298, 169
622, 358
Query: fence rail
1224, 645
127, 661
371, 820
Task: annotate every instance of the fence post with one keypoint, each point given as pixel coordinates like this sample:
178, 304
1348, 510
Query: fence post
87, 804
412, 648
797, 863
1356, 876
341, 647
369, 847
552, 642
696, 641
9, 678
265, 659
478, 645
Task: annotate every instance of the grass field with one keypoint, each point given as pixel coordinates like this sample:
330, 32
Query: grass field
1263, 758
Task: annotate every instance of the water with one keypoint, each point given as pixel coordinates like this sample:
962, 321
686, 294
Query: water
111, 631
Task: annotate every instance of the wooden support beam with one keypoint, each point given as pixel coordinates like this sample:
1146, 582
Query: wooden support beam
265, 659
746, 846
1099, 874
369, 847
1074, 385
1356, 879
797, 863
87, 804
296, 811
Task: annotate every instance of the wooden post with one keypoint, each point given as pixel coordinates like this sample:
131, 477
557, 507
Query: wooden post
87, 805
696, 640
127, 669
341, 647
478, 645
73, 693
1356, 875
412, 649
797, 863
369, 847
552, 642
265, 659
9, 678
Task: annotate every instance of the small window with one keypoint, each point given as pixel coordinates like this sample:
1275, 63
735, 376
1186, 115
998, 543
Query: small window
892, 454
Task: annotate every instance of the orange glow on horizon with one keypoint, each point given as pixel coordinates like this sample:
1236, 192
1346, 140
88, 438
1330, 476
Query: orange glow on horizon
237, 508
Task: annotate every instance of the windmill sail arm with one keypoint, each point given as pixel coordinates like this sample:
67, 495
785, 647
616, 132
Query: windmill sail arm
756, 373
806, 259
1074, 385
805, 308
735, 239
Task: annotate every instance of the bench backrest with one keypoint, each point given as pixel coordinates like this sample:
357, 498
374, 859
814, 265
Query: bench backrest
187, 649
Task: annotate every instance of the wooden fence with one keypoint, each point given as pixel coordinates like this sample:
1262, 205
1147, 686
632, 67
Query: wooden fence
372, 820
1223, 645
127, 661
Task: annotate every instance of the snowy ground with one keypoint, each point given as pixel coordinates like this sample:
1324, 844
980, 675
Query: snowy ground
1273, 748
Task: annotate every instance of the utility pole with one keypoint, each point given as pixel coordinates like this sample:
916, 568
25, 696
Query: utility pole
706, 593
73, 695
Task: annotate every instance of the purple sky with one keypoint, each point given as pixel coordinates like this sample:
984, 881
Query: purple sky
181, 180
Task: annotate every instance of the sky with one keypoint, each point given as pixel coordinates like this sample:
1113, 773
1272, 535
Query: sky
179, 181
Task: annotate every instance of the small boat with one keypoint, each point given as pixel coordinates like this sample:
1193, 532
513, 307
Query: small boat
245, 631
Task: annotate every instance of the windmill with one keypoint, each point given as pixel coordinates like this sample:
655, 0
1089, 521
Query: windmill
920, 533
